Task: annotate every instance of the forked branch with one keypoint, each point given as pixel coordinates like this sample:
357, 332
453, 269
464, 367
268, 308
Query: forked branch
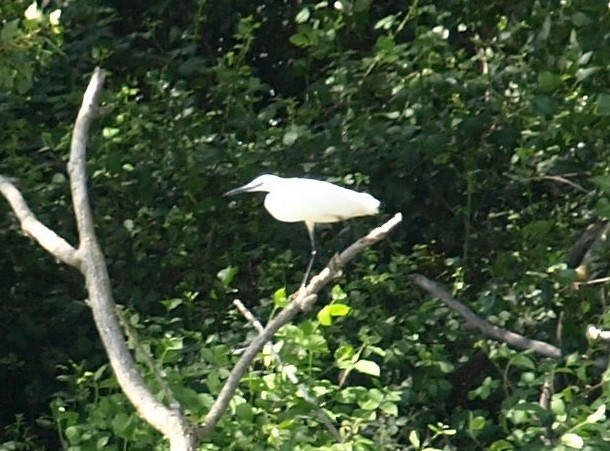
89, 259
301, 300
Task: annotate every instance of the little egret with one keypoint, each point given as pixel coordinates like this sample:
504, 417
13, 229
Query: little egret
310, 201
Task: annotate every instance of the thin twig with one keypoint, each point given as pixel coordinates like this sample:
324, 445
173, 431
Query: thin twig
290, 373
593, 281
133, 336
511, 338
544, 401
302, 300
561, 179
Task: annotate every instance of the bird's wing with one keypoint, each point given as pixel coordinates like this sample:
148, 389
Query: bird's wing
315, 201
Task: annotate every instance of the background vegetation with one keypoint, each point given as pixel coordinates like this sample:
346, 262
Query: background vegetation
484, 122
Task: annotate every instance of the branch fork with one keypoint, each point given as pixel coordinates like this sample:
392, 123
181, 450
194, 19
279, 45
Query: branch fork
89, 259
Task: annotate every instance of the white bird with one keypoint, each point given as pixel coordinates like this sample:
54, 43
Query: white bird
310, 201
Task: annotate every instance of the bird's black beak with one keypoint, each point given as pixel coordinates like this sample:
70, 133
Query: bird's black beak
232, 192
242, 189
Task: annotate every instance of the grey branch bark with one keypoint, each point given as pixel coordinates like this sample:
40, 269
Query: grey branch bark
49, 240
302, 300
511, 338
89, 259
170, 422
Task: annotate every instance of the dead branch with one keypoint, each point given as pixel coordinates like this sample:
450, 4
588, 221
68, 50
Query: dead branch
170, 422
89, 259
511, 338
302, 300
48, 239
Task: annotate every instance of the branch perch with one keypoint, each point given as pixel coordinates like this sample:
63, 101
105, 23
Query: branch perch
511, 338
301, 300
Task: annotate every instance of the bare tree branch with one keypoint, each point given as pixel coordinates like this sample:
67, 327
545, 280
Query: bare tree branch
89, 259
290, 373
544, 401
593, 281
302, 300
562, 179
511, 338
49, 240
170, 422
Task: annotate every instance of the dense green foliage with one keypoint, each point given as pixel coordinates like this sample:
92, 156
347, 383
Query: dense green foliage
483, 122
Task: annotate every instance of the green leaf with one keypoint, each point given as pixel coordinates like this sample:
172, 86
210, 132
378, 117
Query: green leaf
501, 445
10, 30
173, 343
110, 132
572, 440
290, 137
171, 304
598, 415
478, 423
372, 401
72, 434
367, 367
522, 361
602, 208
603, 105
244, 411
548, 81
344, 355
99, 372
300, 39
338, 309
324, 316
603, 181
302, 16
337, 293
558, 406
120, 423
226, 275
389, 408
385, 23
102, 442
414, 439
587, 72
279, 297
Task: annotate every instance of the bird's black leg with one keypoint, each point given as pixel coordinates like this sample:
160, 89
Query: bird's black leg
310, 231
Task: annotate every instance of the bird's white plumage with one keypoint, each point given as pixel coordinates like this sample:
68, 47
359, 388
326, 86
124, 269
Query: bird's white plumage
293, 200
310, 201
